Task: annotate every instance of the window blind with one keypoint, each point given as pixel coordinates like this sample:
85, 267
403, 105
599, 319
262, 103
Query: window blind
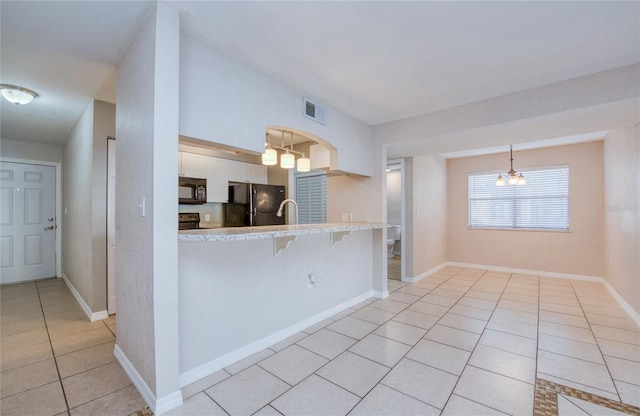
541, 204
311, 196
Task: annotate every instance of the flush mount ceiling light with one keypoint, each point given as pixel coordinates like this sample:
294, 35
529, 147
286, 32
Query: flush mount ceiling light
17, 95
513, 177
288, 158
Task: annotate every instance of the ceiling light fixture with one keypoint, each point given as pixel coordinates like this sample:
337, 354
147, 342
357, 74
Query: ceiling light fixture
270, 156
17, 95
513, 177
288, 158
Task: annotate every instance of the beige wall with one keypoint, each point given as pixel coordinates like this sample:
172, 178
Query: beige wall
427, 243
85, 206
622, 213
579, 251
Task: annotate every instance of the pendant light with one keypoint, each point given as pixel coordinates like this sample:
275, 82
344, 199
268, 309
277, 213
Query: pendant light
17, 95
287, 160
270, 156
304, 163
514, 178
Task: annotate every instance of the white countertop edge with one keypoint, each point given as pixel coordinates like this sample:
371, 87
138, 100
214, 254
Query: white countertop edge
272, 231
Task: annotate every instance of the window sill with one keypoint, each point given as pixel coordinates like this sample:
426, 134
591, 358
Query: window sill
543, 230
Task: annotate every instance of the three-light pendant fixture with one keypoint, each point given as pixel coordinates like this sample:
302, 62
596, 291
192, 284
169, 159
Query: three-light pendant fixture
512, 176
287, 159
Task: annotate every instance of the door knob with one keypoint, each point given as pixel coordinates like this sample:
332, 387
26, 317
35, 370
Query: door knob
51, 227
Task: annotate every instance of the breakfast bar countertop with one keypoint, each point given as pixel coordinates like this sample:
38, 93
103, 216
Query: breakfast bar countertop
271, 231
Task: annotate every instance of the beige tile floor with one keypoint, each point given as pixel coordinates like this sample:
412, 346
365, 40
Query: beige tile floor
53, 360
460, 342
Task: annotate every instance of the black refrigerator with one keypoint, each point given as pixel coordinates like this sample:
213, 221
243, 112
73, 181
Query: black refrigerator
252, 204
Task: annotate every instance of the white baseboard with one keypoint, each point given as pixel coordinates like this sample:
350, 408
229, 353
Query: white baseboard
627, 308
211, 367
381, 295
424, 274
527, 271
93, 316
157, 406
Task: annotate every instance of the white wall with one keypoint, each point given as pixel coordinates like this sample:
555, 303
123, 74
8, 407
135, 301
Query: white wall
225, 101
622, 212
31, 151
84, 199
394, 197
593, 102
146, 242
579, 251
235, 293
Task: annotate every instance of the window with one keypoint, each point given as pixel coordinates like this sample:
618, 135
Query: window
541, 204
311, 195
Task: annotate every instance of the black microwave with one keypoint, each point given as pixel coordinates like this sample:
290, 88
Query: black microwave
192, 190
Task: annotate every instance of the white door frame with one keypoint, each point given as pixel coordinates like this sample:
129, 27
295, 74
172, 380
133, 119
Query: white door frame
59, 218
111, 218
403, 247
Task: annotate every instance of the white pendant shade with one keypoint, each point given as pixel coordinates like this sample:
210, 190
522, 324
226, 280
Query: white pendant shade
500, 181
287, 161
17, 95
521, 180
304, 164
513, 179
270, 157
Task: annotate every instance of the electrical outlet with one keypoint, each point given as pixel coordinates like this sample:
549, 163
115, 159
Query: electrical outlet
347, 217
311, 281
207, 217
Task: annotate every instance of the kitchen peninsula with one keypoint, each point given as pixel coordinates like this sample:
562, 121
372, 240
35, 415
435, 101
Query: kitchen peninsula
243, 289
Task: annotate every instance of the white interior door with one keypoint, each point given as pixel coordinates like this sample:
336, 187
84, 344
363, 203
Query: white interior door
27, 222
111, 225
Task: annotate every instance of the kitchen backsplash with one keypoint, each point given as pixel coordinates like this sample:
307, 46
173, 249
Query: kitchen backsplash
214, 210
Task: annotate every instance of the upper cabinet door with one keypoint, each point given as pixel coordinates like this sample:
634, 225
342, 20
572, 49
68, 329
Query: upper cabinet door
192, 165
217, 179
256, 173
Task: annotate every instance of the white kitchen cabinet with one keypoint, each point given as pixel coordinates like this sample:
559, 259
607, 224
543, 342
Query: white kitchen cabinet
217, 179
192, 165
256, 173
320, 157
222, 171
236, 171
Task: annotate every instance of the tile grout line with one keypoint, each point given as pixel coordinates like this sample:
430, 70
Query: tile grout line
55, 358
477, 342
597, 344
535, 375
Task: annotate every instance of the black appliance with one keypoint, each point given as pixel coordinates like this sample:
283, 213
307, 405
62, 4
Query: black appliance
252, 204
188, 220
192, 190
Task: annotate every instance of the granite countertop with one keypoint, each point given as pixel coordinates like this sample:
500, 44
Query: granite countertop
271, 231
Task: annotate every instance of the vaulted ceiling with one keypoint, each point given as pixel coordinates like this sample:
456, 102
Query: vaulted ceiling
378, 61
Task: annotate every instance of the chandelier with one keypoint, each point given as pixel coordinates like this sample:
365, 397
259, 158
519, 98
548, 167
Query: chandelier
513, 177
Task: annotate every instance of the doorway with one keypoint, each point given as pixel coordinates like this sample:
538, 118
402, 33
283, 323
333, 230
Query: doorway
28, 222
111, 225
395, 218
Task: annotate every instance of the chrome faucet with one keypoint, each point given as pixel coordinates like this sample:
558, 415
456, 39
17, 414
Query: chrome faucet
282, 204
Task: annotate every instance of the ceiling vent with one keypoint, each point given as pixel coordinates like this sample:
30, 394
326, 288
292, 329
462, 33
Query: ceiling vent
315, 112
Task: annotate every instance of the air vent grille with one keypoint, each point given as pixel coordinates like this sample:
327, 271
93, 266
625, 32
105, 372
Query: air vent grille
315, 112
